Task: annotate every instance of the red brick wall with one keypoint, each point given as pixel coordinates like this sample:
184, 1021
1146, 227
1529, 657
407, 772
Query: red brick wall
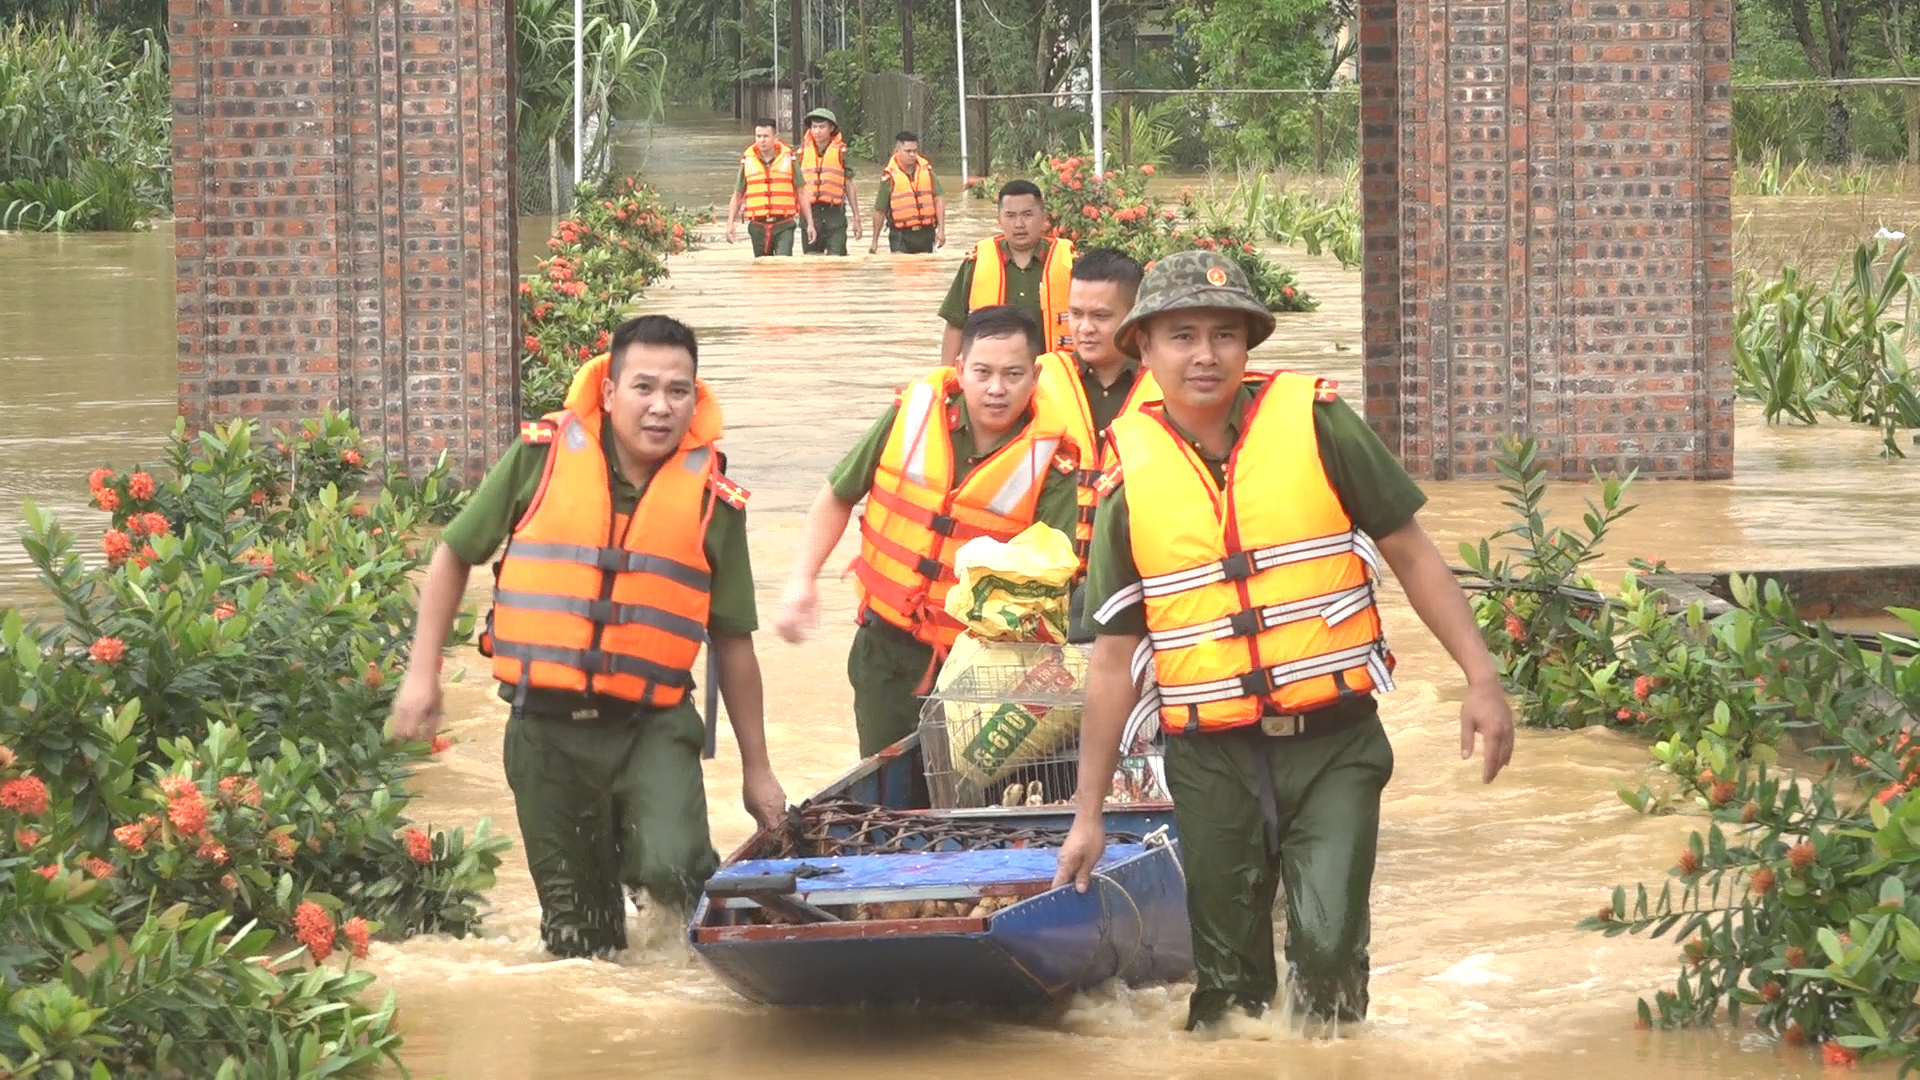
343, 233
1546, 189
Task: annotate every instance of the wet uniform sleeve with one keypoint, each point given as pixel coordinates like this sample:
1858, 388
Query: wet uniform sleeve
732, 610
954, 309
1059, 502
883, 195
740, 185
1373, 487
498, 504
853, 477
1110, 567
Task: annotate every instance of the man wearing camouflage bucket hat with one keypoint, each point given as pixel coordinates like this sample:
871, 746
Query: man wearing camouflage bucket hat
1248, 595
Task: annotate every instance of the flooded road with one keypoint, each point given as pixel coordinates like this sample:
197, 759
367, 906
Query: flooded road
1477, 971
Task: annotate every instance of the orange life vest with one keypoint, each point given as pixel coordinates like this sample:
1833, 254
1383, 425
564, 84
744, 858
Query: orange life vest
1259, 598
825, 173
910, 198
1060, 381
917, 519
990, 285
590, 601
770, 184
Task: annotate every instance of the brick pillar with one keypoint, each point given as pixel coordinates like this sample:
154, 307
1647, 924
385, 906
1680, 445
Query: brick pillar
1546, 191
343, 231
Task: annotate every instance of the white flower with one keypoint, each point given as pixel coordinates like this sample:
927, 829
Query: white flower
1889, 236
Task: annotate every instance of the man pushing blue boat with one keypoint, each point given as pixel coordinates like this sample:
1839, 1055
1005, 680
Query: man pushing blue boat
1245, 598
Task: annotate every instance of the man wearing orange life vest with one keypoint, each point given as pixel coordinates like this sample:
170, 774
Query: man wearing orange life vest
625, 544
1235, 559
1021, 266
769, 193
827, 185
909, 204
1094, 380
962, 453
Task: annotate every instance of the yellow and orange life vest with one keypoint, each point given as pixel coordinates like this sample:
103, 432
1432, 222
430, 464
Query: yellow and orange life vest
590, 601
770, 194
910, 202
1259, 598
916, 518
825, 173
990, 285
1060, 381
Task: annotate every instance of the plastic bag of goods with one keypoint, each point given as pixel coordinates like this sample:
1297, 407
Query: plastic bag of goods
1019, 590
1011, 596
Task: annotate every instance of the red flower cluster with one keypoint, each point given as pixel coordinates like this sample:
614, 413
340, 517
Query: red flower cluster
357, 933
314, 927
185, 808
25, 795
140, 486
240, 790
132, 836
419, 845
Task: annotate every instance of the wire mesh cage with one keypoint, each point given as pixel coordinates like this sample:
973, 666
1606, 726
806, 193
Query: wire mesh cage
1004, 730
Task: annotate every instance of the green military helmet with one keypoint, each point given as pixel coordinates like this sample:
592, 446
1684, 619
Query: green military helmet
824, 114
1195, 279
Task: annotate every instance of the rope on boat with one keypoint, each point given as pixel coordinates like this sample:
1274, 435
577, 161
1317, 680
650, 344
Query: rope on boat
824, 828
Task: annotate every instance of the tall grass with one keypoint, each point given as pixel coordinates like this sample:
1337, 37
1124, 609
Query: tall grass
1802, 349
85, 121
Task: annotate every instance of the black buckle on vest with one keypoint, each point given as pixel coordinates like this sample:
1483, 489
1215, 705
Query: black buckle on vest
596, 662
611, 560
1237, 566
600, 611
943, 524
1257, 683
1245, 623
931, 569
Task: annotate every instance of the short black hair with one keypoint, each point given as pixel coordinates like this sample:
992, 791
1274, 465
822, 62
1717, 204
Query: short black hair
906, 136
1002, 320
766, 122
1108, 264
1020, 187
651, 330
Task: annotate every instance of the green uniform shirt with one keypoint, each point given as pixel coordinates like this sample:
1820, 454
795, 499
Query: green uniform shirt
1105, 402
1023, 286
1373, 489
503, 497
884, 195
853, 477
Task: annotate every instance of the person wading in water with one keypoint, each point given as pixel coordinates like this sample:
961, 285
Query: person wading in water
625, 543
1021, 267
909, 202
768, 191
960, 454
1235, 552
828, 185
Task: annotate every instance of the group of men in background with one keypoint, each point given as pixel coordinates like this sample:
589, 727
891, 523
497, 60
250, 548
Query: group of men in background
780, 190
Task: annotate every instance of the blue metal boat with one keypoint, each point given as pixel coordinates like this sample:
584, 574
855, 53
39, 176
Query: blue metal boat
870, 897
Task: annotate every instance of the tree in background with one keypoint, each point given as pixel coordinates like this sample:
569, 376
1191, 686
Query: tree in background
624, 74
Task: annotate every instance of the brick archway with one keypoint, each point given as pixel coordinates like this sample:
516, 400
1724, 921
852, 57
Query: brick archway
1546, 191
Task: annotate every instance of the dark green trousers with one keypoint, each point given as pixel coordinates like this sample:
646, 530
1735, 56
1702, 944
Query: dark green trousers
607, 807
779, 243
829, 230
885, 666
1316, 839
910, 241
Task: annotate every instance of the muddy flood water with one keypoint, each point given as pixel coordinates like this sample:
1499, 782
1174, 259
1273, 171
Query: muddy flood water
1477, 970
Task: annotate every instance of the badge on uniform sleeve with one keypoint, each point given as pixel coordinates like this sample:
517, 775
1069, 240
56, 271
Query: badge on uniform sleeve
536, 432
1326, 390
1108, 481
729, 492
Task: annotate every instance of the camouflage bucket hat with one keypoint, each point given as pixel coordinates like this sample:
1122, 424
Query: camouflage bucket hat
1195, 279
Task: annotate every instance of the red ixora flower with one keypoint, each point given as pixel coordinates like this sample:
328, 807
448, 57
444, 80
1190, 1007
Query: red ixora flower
25, 795
99, 479
351, 457
357, 933
1834, 1054
314, 927
224, 610
117, 545
97, 866
132, 836
141, 486
46, 871
419, 845
107, 650
240, 789
107, 499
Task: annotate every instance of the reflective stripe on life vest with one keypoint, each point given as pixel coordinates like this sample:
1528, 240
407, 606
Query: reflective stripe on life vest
916, 519
1259, 597
770, 194
590, 601
825, 174
990, 285
910, 202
